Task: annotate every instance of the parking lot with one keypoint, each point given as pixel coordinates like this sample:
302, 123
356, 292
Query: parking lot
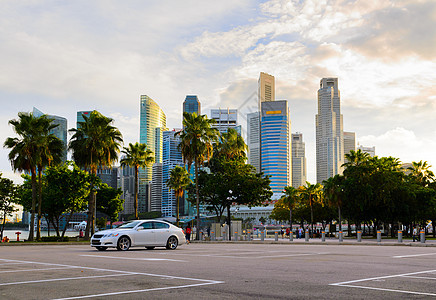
219, 271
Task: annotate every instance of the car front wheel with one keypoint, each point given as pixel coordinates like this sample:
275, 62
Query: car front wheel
172, 243
123, 243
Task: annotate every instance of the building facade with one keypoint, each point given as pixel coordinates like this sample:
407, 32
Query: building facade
225, 119
276, 157
156, 188
253, 139
192, 104
151, 117
299, 168
266, 88
369, 150
349, 143
127, 185
329, 131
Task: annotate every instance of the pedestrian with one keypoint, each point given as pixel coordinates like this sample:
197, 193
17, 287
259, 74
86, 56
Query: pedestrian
300, 232
415, 233
282, 233
208, 231
288, 230
188, 234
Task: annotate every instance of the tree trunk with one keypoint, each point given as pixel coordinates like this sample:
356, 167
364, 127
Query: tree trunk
197, 198
135, 204
177, 210
290, 217
66, 224
3, 225
32, 212
229, 222
340, 218
38, 224
311, 215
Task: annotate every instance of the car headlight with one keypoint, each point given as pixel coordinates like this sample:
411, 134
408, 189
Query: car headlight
111, 235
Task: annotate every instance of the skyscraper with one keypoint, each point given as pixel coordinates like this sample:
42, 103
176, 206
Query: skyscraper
253, 139
156, 187
80, 115
329, 131
276, 158
151, 117
60, 131
192, 104
127, 184
299, 169
225, 119
349, 143
266, 88
369, 150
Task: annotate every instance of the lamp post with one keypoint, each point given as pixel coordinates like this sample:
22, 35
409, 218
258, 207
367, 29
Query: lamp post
228, 214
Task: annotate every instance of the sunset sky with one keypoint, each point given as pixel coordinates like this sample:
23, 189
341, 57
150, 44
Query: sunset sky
66, 56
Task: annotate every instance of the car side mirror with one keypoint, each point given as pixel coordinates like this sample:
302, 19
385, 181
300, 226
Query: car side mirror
140, 228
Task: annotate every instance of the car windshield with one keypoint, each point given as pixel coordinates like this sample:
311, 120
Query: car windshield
129, 224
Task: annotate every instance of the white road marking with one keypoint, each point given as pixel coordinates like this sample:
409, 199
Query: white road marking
252, 257
30, 270
389, 290
61, 279
420, 277
413, 255
132, 258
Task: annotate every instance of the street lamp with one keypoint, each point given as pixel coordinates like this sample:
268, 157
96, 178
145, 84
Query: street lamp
228, 214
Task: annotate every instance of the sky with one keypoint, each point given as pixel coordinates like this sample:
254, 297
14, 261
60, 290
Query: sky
67, 56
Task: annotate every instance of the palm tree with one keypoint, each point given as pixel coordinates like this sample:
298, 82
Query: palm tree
232, 145
94, 143
290, 197
50, 149
26, 151
421, 171
196, 145
179, 179
137, 156
355, 158
312, 193
334, 193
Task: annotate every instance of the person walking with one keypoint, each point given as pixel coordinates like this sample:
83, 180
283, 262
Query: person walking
415, 233
188, 234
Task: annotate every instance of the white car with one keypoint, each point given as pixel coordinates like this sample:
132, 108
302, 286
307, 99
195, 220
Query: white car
145, 233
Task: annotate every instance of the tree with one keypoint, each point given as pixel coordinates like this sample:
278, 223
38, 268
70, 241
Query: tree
311, 193
137, 156
334, 194
421, 172
109, 202
95, 143
178, 181
25, 151
232, 145
8, 195
196, 145
290, 198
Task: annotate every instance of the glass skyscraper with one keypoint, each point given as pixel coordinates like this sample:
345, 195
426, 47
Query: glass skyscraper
192, 104
151, 117
276, 158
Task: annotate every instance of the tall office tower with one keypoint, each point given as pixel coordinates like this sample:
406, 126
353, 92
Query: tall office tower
266, 88
151, 117
192, 104
299, 169
329, 131
156, 187
109, 176
60, 131
158, 143
349, 143
172, 157
253, 139
80, 115
275, 140
127, 184
369, 150
225, 119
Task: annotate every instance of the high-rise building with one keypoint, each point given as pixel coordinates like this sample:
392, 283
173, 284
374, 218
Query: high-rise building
225, 119
192, 104
369, 150
158, 143
329, 131
266, 88
109, 176
253, 139
299, 169
127, 184
349, 143
275, 133
151, 117
172, 157
80, 117
156, 187
60, 131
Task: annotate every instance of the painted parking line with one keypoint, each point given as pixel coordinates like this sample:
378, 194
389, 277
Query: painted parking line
32, 270
132, 258
253, 257
62, 279
413, 255
406, 275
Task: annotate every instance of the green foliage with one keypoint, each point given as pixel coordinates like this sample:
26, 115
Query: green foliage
178, 181
101, 223
109, 202
8, 195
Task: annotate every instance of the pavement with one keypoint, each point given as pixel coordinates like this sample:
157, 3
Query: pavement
220, 271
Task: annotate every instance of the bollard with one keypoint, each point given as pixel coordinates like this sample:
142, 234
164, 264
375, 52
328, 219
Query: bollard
323, 236
276, 236
341, 238
306, 235
400, 236
249, 236
422, 236
236, 236
262, 236
201, 235
212, 236
378, 236
291, 236
359, 236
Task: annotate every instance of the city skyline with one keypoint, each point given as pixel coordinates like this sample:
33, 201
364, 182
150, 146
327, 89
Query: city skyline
63, 61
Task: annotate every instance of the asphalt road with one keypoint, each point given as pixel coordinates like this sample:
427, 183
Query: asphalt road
219, 271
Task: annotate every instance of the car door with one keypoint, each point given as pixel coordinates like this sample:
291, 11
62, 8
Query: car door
145, 234
162, 233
